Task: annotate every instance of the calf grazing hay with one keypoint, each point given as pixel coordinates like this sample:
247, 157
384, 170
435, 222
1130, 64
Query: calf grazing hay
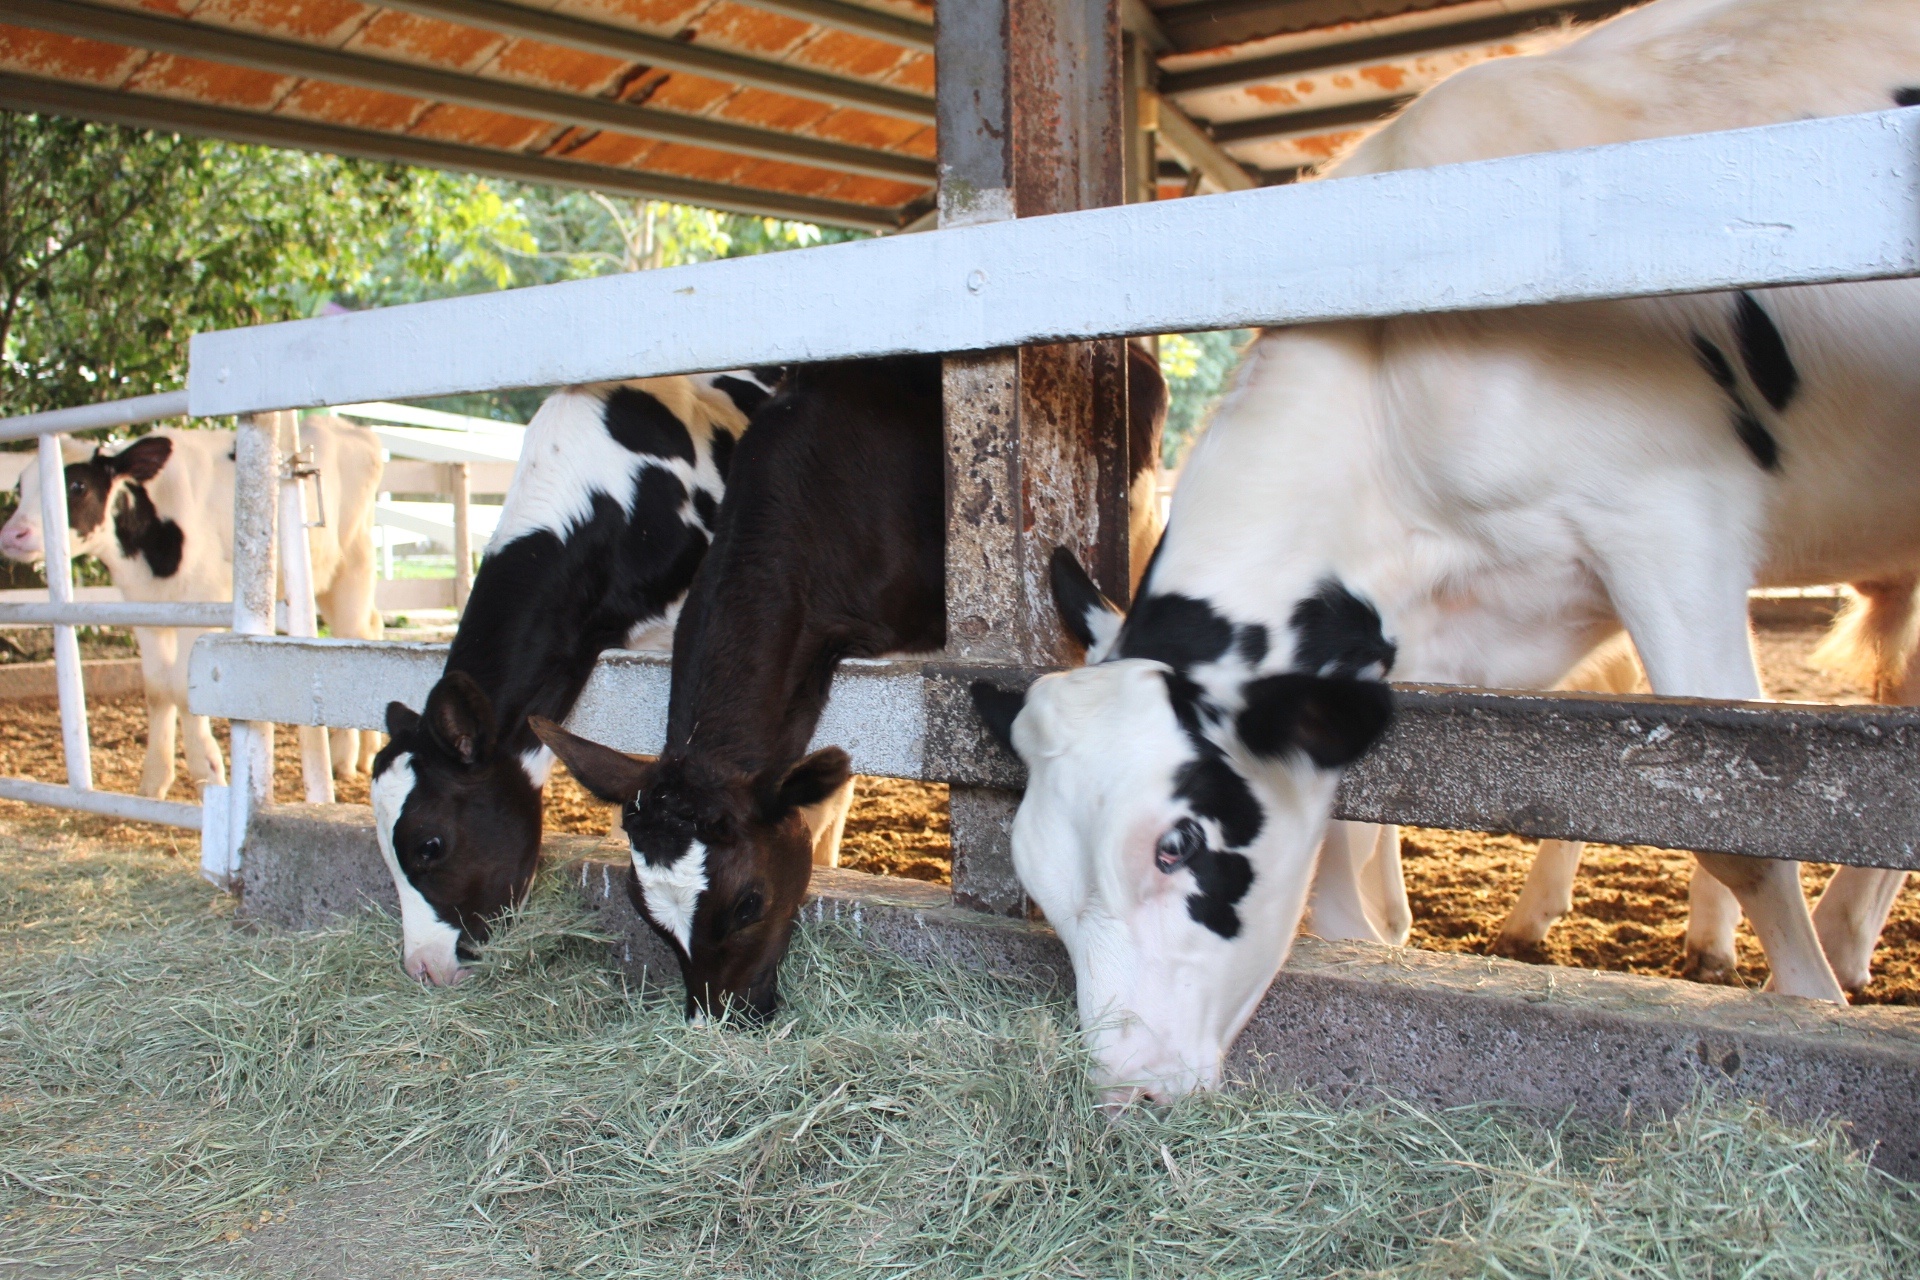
181, 1099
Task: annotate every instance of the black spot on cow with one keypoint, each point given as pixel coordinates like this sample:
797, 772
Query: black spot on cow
142, 534
645, 426
705, 507
1714, 361
1224, 878
1747, 427
721, 445
1907, 97
1759, 441
1764, 352
746, 396
1337, 633
1213, 789
1251, 642
1177, 630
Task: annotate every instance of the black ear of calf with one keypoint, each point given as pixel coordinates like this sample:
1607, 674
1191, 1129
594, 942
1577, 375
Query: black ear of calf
401, 719
1075, 596
610, 775
998, 709
460, 718
810, 781
143, 458
1333, 720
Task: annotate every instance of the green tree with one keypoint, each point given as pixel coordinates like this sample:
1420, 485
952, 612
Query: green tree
1197, 367
117, 244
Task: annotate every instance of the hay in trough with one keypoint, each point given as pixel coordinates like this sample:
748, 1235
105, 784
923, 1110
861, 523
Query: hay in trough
184, 1099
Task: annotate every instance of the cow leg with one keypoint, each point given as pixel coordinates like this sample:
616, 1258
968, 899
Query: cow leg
1849, 917
1872, 641
159, 647
1389, 881
827, 820
1547, 895
1688, 619
1336, 909
349, 610
1713, 913
204, 763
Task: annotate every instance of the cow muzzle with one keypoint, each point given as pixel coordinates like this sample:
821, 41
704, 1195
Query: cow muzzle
434, 964
20, 540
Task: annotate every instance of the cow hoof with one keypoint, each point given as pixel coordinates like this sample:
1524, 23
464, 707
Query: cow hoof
1521, 949
1713, 970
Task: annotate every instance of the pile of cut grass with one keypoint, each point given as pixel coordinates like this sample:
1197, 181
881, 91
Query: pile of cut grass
175, 1097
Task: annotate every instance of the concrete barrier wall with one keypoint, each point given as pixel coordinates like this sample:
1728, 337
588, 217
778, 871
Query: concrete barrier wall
107, 678
1348, 1020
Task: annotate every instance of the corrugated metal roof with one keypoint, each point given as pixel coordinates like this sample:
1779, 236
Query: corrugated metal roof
813, 109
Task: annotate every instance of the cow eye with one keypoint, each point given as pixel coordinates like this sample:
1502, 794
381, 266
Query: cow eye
747, 910
430, 849
1179, 846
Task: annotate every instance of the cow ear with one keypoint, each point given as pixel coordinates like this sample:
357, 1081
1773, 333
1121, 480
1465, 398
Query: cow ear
612, 776
401, 719
807, 783
460, 718
142, 459
998, 709
1332, 720
1088, 616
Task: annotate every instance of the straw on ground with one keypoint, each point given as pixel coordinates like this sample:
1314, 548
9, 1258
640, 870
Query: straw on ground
179, 1098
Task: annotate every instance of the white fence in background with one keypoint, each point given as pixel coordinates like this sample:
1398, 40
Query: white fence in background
1811, 202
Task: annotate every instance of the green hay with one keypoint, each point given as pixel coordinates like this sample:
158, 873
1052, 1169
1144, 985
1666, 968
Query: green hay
164, 1086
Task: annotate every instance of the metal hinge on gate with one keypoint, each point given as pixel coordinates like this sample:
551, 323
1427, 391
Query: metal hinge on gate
300, 466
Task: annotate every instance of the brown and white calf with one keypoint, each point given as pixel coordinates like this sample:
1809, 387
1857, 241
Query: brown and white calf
1474, 499
831, 544
609, 513
159, 514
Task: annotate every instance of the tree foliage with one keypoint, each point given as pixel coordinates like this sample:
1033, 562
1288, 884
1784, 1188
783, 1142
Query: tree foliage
117, 244
1197, 368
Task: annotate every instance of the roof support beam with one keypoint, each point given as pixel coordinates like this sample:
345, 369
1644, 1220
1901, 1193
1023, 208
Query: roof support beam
909, 32
1229, 75
674, 55
24, 93
1289, 123
1200, 150
285, 57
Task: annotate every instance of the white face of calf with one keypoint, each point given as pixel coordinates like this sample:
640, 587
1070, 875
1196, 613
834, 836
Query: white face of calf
1172, 814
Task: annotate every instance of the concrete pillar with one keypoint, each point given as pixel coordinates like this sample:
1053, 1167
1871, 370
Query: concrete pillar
1031, 122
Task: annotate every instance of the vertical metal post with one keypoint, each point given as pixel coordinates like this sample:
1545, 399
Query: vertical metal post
255, 504
303, 619
68, 677
460, 482
1031, 122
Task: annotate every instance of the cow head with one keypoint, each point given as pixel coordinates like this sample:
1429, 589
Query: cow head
721, 859
458, 821
91, 485
1176, 794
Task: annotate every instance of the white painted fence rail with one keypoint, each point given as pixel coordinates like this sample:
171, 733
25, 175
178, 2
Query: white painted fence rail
1809, 202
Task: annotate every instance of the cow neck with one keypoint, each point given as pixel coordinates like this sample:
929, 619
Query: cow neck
538, 617
830, 545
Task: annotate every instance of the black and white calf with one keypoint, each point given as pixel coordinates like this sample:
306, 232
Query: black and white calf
159, 514
831, 545
610, 512
1473, 499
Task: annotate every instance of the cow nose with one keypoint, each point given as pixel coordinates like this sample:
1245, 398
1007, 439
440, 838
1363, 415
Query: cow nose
1117, 1101
434, 971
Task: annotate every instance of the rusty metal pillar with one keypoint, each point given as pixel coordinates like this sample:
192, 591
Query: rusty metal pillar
1031, 122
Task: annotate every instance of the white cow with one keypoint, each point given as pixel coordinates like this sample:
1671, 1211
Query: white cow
159, 514
1473, 499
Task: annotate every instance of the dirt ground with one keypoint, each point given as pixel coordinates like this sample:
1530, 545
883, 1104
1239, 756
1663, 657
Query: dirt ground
1629, 903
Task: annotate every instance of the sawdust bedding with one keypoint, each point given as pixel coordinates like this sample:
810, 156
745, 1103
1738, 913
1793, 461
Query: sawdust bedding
1629, 903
